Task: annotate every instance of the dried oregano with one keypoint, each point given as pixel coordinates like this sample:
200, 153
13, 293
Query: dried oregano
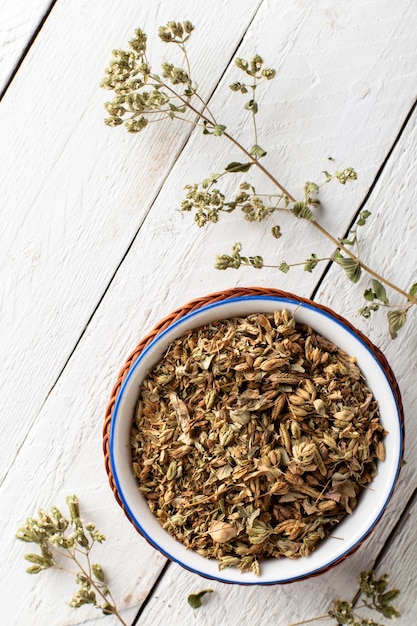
253, 437
143, 96
61, 540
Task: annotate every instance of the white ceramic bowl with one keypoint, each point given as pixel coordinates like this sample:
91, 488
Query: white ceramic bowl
351, 531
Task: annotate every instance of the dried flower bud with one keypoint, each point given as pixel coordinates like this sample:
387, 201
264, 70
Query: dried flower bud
176, 28
222, 532
39, 560
241, 64
224, 262
347, 175
99, 537
74, 507
276, 231
256, 63
98, 572
268, 73
188, 27
113, 121
165, 34
135, 125
34, 569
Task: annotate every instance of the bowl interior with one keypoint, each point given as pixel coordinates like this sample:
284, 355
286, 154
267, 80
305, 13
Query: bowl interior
349, 533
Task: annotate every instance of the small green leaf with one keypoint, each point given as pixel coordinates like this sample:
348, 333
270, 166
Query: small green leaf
302, 211
348, 242
379, 291
177, 109
311, 188
34, 569
257, 151
219, 130
98, 572
413, 290
284, 267
328, 176
234, 166
194, 599
365, 312
351, 267
107, 608
256, 261
38, 560
252, 105
311, 263
369, 295
236, 86
396, 320
389, 596
276, 232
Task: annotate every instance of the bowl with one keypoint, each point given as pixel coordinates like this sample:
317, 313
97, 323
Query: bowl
352, 530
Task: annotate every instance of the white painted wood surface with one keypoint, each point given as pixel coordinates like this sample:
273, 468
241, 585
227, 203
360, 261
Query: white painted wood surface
19, 21
94, 253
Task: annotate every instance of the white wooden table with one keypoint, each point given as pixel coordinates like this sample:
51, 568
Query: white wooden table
94, 252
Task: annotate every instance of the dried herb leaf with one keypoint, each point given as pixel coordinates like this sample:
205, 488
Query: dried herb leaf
238, 167
379, 291
257, 151
351, 267
396, 320
194, 599
254, 437
413, 290
302, 211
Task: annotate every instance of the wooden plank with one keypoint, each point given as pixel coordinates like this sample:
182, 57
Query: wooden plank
79, 191
19, 21
398, 561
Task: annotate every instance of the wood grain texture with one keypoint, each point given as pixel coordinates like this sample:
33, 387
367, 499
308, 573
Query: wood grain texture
19, 21
94, 248
80, 191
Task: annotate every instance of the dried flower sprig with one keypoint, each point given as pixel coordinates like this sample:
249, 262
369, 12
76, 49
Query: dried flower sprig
60, 539
143, 96
375, 596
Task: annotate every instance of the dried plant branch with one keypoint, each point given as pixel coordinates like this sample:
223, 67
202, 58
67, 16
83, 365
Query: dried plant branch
58, 537
174, 94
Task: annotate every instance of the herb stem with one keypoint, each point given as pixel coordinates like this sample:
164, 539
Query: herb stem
293, 264
365, 267
255, 161
320, 228
88, 574
263, 169
308, 621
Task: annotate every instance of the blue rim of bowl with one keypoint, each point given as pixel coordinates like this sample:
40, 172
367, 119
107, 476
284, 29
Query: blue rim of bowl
181, 320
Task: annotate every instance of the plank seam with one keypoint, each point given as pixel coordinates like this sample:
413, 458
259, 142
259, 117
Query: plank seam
151, 592
369, 192
130, 245
395, 531
25, 52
